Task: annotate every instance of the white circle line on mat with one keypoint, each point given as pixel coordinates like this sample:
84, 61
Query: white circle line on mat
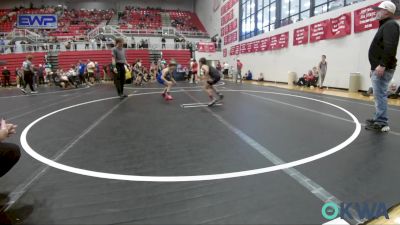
114, 176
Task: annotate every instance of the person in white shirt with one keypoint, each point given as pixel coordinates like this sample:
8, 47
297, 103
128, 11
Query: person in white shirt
226, 69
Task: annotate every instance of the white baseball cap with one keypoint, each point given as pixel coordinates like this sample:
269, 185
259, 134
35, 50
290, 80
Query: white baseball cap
388, 5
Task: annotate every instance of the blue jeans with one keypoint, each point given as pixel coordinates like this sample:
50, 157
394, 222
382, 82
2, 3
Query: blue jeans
380, 86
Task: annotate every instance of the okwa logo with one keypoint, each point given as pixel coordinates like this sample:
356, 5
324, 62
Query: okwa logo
368, 211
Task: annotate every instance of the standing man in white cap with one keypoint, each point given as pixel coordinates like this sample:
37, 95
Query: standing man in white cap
239, 67
382, 57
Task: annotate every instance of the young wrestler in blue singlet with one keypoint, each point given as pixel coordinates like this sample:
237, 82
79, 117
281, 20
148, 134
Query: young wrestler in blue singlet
166, 78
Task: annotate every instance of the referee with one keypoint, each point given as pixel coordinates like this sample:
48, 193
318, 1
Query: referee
118, 62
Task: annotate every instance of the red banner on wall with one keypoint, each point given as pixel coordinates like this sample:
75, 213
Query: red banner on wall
264, 44
300, 36
319, 31
206, 47
256, 46
232, 50
228, 17
229, 28
230, 38
237, 49
364, 19
243, 48
279, 41
227, 6
340, 26
249, 47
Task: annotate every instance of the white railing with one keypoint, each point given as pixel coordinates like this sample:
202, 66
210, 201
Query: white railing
4, 35
23, 33
194, 34
85, 46
144, 32
115, 32
96, 30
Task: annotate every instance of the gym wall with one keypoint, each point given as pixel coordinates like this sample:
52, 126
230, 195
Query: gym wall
344, 55
104, 4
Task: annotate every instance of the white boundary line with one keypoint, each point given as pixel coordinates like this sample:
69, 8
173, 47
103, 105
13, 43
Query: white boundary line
44, 93
337, 221
173, 88
203, 105
196, 103
313, 187
71, 169
22, 188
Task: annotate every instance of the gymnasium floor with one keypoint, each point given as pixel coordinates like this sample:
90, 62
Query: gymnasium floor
211, 165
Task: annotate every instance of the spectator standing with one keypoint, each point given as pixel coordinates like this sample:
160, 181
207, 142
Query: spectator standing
6, 77
81, 72
68, 46
382, 57
40, 74
28, 74
48, 69
322, 68
219, 67
90, 67
239, 66
194, 67
19, 77
2, 45
226, 69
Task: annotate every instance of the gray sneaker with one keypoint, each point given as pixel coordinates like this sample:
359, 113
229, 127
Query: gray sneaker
377, 127
212, 103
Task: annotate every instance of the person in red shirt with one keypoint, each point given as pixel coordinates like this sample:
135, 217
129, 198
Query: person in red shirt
306, 79
310, 78
194, 68
239, 66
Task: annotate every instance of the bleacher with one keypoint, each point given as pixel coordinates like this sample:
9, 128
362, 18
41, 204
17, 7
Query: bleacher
9, 17
14, 61
150, 19
70, 23
190, 19
79, 22
181, 56
103, 57
6, 24
73, 22
140, 19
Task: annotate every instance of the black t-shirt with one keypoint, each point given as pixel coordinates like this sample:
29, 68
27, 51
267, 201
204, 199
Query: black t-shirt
214, 73
6, 73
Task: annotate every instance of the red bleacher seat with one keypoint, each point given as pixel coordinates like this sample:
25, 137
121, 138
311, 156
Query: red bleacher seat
103, 57
181, 56
190, 20
15, 60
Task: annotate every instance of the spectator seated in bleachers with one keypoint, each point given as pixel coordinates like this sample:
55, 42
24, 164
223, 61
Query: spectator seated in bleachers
248, 76
308, 79
66, 79
392, 92
261, 77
